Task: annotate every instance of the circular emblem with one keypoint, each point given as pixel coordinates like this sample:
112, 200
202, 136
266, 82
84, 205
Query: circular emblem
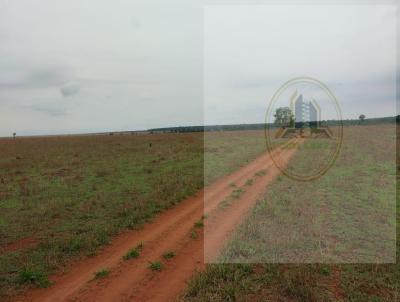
304, 114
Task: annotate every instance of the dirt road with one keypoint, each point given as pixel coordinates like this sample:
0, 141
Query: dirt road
174, 230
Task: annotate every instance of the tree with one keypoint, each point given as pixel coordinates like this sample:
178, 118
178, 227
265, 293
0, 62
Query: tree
284, 117
362, 118
14, 135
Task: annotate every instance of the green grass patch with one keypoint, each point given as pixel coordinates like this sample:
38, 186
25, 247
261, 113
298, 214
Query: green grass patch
156, 266
249, 182
101, 273
35, 277
169, 255
134, 253
199, 224
193, 234
260, 173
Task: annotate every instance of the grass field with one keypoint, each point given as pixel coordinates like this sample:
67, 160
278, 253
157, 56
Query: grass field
64, 197
224, 152
349, 215
67, 196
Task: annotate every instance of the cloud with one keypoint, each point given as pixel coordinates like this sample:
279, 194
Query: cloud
48, 109
23, 78
135, 22
70, 89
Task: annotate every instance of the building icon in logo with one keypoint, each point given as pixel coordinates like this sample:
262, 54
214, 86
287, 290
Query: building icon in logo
305, 120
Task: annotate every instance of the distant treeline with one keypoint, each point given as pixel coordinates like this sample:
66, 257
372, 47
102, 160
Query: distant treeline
261, 126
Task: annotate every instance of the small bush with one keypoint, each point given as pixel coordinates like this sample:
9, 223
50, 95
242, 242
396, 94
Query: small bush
237, 193
102, 273
199, 224
35, 277
249, 182
156, 266
261, 173
132, 253
169, 254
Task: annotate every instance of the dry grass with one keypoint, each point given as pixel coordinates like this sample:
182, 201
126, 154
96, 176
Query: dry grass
70, 194
73, 193
348, 215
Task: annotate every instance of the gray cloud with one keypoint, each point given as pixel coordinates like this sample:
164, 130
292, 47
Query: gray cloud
70, 89
25, 78
135, 22
48, 109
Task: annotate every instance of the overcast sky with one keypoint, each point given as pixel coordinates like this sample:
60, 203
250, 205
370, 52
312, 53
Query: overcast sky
257, 48
98, 65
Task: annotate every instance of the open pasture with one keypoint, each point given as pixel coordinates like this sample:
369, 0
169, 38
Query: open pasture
346, 216
64, 197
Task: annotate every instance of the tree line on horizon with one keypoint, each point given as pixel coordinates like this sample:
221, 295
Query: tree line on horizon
261, 126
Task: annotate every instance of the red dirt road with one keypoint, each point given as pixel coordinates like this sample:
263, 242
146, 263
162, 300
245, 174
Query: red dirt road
132, 280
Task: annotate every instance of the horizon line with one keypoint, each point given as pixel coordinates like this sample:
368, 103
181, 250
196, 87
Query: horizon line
163, 128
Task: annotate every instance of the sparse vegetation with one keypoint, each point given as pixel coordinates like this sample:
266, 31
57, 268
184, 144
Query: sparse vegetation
76, 192
72, 194
225, 152
237, 193
199, 224
32, 276
169, 255
261, 173
134, 253
139, 247
193, 234
101, 273
249, 182
156, 266
286, 212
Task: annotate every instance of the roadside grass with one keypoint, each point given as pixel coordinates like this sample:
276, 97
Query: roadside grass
249, 182
235, 194
260, 173
258, 282
169, 255
348, 215
337, 218
101, 274
199, 224
225, 152
193, 234
156, 266
133, 253
32, 276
